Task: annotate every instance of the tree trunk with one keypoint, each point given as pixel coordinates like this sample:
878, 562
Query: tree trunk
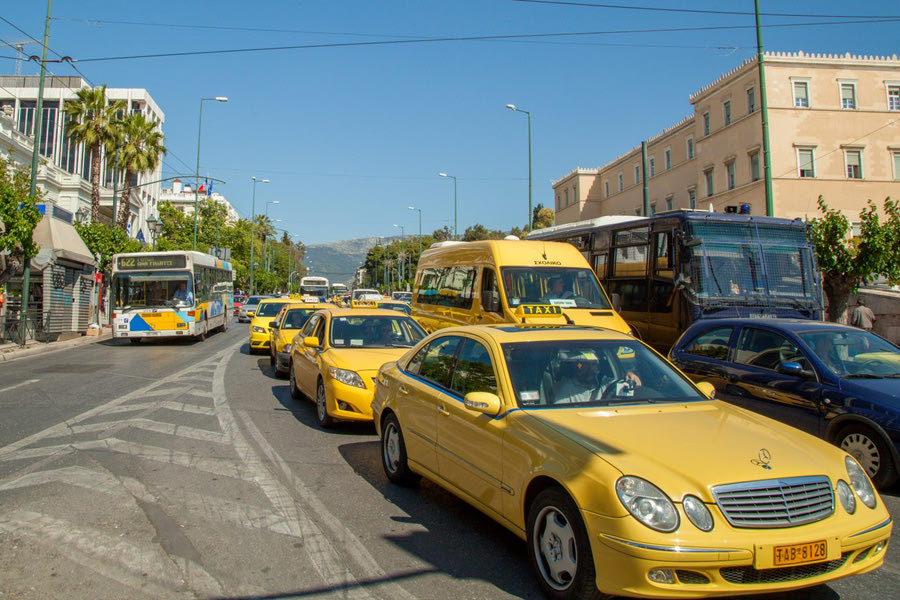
123, 202
837, 291
95, 183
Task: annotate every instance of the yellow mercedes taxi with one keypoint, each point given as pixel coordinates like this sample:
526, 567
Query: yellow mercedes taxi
284, 327
339, 355
622, 476
266, 310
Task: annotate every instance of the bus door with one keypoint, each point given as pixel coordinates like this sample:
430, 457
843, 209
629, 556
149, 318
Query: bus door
664, 299
628, 277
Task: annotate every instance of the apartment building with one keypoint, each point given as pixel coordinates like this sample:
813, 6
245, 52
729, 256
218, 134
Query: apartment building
64, 173
182, 197
834, 131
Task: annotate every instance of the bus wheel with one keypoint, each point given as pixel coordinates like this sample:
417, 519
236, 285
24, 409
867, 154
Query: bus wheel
224, 326
135, 340
203, 330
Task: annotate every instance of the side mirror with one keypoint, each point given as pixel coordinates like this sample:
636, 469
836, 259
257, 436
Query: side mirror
790, 368
273, 324
617, 302
311, 342
484, 402
708, 389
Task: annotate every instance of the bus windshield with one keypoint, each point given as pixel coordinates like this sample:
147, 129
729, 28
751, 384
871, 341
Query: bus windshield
135, 289
559, 286
319, 291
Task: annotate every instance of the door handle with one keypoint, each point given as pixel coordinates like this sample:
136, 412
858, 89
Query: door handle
444, 412
402, 389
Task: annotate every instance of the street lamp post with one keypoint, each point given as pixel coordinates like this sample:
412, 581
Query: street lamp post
420, 229
156, 226
197, 172
266, 241
253, 227
513, 107
454, 201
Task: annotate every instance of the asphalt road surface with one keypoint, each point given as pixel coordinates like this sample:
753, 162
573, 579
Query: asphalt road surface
185, 470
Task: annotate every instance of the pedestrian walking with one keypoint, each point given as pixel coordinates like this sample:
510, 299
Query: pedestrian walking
862, 316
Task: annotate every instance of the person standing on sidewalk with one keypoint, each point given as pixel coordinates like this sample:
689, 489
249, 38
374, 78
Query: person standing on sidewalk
862, 316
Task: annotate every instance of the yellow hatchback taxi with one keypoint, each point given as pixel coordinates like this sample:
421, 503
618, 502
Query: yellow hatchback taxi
282, 330
622, 476
266, 310
340, 354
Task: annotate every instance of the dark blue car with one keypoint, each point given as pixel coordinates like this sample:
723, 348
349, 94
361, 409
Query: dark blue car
837, 382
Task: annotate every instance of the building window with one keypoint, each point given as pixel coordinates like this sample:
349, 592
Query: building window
806, 162
637, 174
558, 202
606, 187
853, 158
621, 181
729, 175
754, 166
848, 96
751, 101
893, 92
896, 156
653, 209
709, 183
706, 123
689, 145
692, 198
801, 94
726, 108
652, 166
668, 158
670, 202
567, 197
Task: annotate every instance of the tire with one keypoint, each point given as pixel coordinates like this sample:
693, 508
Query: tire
203, 330
296, 394
135, 340
272, 356
393, 453
559, 548
224, 326
325, 420
870, 451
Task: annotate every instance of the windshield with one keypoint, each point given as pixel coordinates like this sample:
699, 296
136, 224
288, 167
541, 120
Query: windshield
854, 353
269, 309
559, 286
375, 331
137, 289
319, 291
566, 373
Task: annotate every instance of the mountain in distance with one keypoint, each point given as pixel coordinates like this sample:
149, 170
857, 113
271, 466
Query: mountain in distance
337, 261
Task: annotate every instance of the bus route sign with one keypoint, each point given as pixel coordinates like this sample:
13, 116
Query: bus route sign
144, 263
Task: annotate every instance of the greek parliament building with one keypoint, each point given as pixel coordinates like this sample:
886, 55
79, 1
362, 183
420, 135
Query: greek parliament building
64, 171
834, 130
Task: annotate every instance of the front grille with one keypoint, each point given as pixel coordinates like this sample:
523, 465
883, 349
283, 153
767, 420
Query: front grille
749, 575
691, 577
775, 502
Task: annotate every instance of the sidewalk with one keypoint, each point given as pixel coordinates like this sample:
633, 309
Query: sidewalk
11, 351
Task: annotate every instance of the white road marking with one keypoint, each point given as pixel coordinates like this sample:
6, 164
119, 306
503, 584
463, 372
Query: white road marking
18, 385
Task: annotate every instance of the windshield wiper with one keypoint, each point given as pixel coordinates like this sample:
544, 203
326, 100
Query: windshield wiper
892, 376
866, 376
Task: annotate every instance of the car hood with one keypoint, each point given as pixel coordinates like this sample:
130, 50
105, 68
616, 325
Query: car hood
885, 392
691, 447
363, 360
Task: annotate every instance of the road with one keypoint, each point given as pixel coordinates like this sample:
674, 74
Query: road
185, 470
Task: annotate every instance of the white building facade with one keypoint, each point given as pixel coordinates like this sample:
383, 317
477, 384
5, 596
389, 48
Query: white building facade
182, 197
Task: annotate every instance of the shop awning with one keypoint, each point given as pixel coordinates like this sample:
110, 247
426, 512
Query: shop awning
63, 239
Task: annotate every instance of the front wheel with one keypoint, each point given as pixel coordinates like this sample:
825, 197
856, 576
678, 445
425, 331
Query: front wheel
559, 548
296, 394
871, 452
325, 420
393, 453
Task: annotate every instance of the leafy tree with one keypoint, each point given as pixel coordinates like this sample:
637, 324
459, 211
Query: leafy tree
442, 235
543, 217
140, 147
92, 123
105, 240
18, 217
845, 261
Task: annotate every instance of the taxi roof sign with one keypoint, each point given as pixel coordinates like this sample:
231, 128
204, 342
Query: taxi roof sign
364, 304
538, 310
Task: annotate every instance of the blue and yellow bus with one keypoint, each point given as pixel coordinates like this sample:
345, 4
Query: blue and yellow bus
170, 294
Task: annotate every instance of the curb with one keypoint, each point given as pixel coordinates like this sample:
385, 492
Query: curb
17, 352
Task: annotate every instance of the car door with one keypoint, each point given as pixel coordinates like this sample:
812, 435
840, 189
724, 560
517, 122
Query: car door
470, 443
420, 393
704, 357
308, 369
755, 383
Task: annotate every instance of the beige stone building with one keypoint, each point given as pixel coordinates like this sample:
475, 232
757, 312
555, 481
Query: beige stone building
834, 130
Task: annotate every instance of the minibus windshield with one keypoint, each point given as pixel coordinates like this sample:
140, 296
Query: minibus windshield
559, 286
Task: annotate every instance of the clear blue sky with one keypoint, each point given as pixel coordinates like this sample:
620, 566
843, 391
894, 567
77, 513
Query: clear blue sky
352, 132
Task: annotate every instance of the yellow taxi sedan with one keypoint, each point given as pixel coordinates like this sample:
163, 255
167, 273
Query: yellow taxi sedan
287, 324
259, 324
340, 353
622, 476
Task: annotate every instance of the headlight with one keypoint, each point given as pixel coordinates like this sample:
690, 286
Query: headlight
860, 483
347, 377
697, 513
848, 500
286, 348
258, 329
647, 503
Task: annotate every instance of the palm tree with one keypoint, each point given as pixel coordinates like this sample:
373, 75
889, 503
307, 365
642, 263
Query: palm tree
93, 124
140, 147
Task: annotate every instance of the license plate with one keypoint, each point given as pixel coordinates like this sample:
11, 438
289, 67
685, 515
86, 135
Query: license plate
800, 553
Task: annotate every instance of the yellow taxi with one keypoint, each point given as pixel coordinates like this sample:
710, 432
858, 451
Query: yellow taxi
397, 305
622, 476
260, 336
339, 355
287, 324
